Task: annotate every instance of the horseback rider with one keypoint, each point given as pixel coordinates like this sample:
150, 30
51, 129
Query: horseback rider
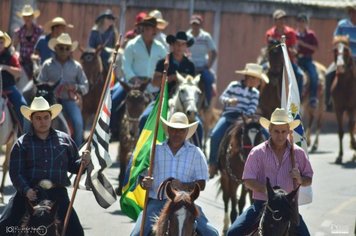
26, 37
104, 34
203, 54
347, 27
72, 80
272, 159
239, 98
53, 28
276, 32
140, 57
42, 153
175, 154
10, 70
307, 44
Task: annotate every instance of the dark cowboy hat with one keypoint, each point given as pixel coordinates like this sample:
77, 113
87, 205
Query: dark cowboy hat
148, 21
180, 36
106, 14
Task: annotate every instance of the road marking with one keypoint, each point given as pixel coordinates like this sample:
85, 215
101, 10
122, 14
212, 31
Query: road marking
339, 208
326, 223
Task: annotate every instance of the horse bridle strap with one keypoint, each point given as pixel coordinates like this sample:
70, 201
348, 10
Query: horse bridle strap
274, 212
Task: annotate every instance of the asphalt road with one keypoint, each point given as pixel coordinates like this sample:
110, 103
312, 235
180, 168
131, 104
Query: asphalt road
333, 211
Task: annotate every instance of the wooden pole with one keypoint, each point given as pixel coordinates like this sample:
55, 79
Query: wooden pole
153, 147
90, 139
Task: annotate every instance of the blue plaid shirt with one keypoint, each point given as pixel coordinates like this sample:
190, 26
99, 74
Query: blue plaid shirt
33, 159
187, 165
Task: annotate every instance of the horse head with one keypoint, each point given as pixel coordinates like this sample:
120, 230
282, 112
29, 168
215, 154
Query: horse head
179, 214
92, 65
342, 53
187, 95
281, 211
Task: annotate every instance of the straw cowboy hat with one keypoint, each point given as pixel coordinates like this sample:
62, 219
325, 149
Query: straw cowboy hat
351, 6
56, 21
180, 36
254, 70
279, 117
161, 23
63, 39
27, 10
6, 37
278, 14
179, 121
40, 104
148, 21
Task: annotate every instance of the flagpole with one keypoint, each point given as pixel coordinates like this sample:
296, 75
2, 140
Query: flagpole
153, 148
90, 138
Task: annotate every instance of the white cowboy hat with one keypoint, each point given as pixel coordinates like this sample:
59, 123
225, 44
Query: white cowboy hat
279, 117
180, 121
254, 70
64, 39
40, 104
6, 37
161, 23
27, 10
56, 21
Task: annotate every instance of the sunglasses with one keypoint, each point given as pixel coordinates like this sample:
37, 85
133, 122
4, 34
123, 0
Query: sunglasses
64, 48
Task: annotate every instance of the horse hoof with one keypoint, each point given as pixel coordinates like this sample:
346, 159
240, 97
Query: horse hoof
338, 161
313, 149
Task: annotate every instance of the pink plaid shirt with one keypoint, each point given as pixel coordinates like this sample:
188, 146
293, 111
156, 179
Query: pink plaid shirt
262, 163
27, 46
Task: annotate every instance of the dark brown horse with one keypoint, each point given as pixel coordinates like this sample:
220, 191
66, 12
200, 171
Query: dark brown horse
233, 151
93, 68
343, 90
135, 103
178, 216
41, 219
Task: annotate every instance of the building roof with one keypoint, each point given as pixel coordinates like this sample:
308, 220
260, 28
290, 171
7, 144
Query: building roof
318, 3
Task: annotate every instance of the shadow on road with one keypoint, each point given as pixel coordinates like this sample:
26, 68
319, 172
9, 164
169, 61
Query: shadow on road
349, 165
318, 152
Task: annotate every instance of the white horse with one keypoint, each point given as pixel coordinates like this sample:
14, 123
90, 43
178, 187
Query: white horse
8, 132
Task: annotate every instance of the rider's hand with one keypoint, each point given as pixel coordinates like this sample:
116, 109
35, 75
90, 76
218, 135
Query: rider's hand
147, 182
295, 174
31, 194
232, 101
86, 158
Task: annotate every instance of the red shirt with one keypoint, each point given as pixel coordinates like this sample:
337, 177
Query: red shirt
308, 37
291, 38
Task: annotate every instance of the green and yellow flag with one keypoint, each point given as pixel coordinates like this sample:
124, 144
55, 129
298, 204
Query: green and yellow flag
133, 196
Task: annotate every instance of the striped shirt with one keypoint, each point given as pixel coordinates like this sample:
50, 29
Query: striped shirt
187, 165
346, 27
262, 163
33, 159
247, 98
27, 43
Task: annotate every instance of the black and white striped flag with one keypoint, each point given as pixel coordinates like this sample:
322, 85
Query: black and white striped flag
95, 178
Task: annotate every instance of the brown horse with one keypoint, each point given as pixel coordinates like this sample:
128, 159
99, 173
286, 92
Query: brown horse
312, 114
135, 103
178, 216
343, 90
233, 151
93, 68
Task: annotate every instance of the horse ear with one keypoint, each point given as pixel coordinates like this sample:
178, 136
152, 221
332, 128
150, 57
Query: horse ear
126, 86
29, 207
292, 199
180, 77
171, 194
196, 79
292, 195
195, 194
143, 86
269, 189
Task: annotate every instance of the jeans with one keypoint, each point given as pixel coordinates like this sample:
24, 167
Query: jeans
16, 208
299, 77
307, 64
72, 111
118, 95
251, 216
217, 134
208, 80
17, 101
154, 208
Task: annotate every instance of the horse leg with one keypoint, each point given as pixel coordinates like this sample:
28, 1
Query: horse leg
339, 116
5, 167
123, 162
233, 197
242, 199
224, 181
318, 128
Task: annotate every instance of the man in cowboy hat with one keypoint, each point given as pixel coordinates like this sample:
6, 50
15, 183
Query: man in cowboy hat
66, 71
26, 36
161, 26
346, 26
203, 54
104, 35
176, 153
10, 70
53, 28
42, 154
239, 98
272, 159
